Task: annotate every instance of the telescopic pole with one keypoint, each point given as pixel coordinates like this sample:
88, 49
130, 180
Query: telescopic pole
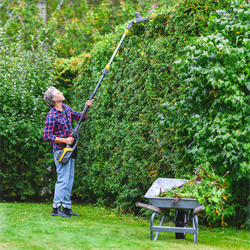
137, 19
66, 153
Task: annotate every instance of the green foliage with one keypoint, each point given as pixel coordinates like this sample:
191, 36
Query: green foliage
17, 16
208, 189
78, 24
66, 71
192, 18
211, 117
24, 77
122, 150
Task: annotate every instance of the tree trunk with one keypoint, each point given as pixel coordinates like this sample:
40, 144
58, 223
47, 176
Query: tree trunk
43, 12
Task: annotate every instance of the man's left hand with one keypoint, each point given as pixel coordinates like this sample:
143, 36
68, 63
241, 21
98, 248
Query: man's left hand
90, 103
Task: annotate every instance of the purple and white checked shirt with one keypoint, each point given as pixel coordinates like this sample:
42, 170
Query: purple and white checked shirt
56, 124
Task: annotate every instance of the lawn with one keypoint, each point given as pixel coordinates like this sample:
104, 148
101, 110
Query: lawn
31, 226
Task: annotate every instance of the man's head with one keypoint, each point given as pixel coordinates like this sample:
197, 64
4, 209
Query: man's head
53, 95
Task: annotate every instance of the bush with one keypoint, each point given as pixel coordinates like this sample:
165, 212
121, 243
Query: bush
24, 77
212, 115
122, 148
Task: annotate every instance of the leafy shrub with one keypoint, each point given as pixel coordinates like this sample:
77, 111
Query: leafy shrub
66, 71
122, 148
24, 77
212, 115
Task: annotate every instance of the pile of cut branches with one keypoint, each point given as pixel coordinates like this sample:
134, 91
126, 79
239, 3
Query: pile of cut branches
207, 188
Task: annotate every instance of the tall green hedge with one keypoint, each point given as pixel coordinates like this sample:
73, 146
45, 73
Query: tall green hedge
211, 116
122, 149
24, 76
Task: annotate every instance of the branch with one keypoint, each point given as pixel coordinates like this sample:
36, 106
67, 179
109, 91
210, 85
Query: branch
226, 174
204, 170
10, 14
8, 38
64, 18
59, 6
11, 19
21, 22
211, 166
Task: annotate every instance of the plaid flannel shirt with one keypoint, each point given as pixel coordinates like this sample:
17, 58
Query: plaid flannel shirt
56, 124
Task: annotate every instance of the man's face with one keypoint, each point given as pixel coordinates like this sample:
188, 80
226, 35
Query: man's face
59, 96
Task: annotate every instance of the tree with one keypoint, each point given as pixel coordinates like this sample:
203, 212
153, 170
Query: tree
78, 24
43, 10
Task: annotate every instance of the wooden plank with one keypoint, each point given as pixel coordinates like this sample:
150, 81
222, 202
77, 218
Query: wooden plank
152, 208
198, 209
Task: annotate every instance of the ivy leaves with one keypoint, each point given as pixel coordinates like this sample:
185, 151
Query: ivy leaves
214, 109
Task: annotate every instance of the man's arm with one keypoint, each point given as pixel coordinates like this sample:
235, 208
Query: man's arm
48, 129
68, 140
76, 116
48, 133
89, 103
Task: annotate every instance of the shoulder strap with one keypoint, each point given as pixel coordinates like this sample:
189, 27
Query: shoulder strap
66, 117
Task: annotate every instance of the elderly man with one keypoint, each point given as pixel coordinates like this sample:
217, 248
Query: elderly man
57, 130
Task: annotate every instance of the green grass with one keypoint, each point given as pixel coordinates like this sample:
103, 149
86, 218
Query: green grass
31, 226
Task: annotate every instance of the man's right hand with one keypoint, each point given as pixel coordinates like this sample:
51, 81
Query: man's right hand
69, 140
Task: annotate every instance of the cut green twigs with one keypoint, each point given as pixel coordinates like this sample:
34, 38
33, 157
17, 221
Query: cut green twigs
207, 188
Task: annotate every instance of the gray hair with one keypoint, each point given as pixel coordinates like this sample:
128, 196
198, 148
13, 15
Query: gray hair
49, 96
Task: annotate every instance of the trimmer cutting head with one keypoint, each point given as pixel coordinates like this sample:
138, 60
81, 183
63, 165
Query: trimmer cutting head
138, 19
137, 15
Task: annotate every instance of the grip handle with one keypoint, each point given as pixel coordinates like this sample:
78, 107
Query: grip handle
143, 19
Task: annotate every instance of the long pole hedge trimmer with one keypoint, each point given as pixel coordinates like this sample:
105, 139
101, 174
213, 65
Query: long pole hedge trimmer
65, 154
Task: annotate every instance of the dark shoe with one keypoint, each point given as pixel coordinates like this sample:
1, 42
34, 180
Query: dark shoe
69, 212
57, 212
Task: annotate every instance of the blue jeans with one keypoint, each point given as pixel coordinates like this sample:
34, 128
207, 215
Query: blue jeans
65, 179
